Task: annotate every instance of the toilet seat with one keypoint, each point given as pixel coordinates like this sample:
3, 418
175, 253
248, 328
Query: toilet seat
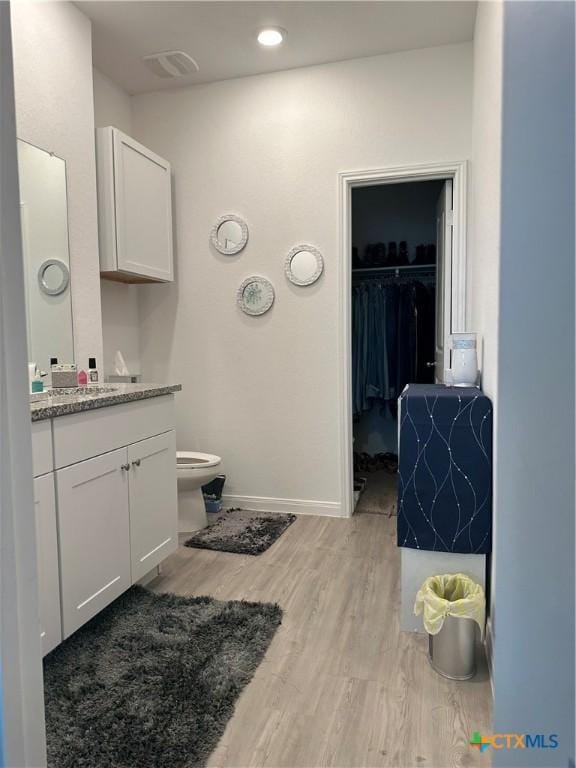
191, 460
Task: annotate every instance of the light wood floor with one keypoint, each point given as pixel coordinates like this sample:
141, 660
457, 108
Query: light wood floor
340, 684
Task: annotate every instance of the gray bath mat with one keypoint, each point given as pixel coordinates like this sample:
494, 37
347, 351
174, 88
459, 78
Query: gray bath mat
152, 680
242, 531
379, 494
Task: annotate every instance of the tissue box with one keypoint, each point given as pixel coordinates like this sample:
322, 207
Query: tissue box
64, 376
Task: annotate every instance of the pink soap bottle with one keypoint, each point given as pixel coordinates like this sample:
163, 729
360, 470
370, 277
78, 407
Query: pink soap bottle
82, 378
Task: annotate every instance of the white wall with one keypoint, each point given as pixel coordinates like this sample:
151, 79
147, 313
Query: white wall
54, 111
112, 105
262, 392
534, 549
120, 318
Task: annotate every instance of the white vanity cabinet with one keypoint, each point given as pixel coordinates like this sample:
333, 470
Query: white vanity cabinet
46, 537
106, 507
47, 558
134, 210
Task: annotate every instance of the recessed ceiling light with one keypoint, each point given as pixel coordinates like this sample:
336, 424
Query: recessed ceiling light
271, 36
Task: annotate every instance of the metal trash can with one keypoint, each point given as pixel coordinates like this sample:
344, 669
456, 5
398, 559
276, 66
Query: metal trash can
452, 651
453, 607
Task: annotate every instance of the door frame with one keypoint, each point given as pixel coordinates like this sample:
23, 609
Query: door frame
22, 737
347, 181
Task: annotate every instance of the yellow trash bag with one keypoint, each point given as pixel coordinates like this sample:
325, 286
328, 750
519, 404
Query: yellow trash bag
453, 594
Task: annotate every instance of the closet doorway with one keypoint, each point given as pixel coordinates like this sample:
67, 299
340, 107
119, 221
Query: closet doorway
404, 281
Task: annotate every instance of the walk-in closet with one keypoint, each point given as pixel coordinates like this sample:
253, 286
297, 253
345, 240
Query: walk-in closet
395, 277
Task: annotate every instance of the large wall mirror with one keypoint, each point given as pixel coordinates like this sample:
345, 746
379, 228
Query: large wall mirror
44, 218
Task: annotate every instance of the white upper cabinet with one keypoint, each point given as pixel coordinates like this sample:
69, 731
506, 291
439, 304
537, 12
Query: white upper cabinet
134, 210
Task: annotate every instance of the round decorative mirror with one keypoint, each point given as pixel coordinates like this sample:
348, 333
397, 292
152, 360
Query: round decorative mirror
304, 265
53, 277
256, 295
229, 235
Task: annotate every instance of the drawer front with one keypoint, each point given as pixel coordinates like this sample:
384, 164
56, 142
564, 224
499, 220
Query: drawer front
82, 436
42, 457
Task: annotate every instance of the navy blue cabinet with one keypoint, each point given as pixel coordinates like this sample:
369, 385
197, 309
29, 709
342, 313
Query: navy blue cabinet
445, 469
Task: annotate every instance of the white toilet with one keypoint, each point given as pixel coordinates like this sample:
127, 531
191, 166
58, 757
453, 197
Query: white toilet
193, 470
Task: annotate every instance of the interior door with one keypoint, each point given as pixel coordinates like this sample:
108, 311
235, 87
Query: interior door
444, 226
94, 532
153, 502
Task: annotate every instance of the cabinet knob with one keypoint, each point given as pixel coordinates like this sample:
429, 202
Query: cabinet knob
136, 463
125, 467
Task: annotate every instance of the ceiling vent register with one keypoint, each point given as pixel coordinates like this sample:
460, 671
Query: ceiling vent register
171, 64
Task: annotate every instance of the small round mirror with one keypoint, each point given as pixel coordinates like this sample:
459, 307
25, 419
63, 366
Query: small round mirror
256, 295
53, 277
229, 235
304, 265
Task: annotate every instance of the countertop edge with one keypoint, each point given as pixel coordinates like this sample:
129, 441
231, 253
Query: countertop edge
43, 412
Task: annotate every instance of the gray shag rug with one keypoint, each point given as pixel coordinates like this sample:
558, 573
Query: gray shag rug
242, 532
152, 681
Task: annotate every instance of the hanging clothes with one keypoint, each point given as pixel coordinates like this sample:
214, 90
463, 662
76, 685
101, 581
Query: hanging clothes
392, 339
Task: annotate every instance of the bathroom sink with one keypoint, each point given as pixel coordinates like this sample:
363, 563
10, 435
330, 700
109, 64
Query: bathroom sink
84, 391
37, 396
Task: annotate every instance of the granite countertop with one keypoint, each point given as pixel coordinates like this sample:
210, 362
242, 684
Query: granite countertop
74, 400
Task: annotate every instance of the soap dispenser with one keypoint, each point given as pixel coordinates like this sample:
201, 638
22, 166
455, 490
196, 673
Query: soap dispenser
35, 379
92, 371
37, 383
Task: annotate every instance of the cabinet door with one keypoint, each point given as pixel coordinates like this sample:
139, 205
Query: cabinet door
153, 502
142, 191
94, 528
47, 556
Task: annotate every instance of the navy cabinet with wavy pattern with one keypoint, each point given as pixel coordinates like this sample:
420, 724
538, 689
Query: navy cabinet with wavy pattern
445, 469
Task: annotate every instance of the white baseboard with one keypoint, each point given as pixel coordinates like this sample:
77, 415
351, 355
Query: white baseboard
489, 645
297, 506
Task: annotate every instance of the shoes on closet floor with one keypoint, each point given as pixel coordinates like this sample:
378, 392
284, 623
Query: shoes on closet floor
392, 258
403, 259
420, 257
425, 254
379, 255
364, 462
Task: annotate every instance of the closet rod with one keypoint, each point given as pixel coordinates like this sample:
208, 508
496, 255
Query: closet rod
370, 270
429, 269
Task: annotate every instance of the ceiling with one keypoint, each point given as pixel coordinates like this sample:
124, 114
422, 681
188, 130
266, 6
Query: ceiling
221, 36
